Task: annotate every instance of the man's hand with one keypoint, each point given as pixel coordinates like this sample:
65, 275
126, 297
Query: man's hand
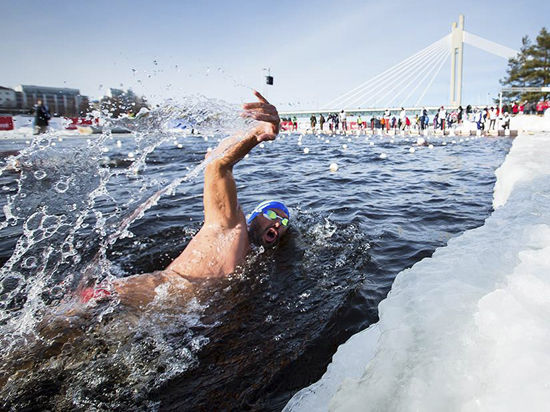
266, 114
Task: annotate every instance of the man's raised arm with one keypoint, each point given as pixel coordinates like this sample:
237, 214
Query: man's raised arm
220, 192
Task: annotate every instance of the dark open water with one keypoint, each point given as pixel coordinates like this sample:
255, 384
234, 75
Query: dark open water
248, 342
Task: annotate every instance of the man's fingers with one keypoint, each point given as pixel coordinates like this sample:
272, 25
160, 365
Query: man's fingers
260, 97
259, 105
262, 117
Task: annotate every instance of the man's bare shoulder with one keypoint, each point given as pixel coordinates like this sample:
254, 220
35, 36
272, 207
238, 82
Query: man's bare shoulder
215, 251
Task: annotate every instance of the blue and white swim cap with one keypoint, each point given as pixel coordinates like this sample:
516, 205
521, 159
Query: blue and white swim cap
268, 204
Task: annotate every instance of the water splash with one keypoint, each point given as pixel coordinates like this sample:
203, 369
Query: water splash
65, 215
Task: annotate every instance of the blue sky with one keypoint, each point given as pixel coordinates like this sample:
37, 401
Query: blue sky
316, 50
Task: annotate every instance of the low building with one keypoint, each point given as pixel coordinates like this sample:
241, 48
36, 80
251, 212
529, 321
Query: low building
61, 101
8, 99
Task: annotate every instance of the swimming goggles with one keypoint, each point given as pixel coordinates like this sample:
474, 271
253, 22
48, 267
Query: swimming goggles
271, 215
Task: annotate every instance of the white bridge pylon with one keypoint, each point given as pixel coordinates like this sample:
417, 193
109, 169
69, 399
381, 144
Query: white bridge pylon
406, 83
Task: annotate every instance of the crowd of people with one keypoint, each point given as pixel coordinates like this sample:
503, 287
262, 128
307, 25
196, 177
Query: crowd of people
485, 118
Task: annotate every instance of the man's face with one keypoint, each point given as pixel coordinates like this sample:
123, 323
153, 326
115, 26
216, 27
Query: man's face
267, 232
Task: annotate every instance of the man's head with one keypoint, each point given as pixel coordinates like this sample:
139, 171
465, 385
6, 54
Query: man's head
268, 222
39, 102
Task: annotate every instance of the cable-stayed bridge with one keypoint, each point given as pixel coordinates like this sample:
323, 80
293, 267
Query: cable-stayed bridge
406, 83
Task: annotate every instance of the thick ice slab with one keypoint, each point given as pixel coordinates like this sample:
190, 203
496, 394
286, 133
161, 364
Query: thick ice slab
467, 329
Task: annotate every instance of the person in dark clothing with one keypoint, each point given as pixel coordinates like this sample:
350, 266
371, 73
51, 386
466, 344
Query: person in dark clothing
322, 121
41, 118
336, 121
313, 121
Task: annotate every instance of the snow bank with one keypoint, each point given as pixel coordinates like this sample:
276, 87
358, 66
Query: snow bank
467, 329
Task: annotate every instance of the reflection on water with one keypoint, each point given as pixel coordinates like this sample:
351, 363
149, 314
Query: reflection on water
81, 211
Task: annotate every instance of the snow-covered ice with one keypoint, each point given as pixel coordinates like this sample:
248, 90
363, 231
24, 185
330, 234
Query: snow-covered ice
469, 328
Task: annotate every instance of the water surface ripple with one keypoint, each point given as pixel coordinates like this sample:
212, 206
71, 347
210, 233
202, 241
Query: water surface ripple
251, 341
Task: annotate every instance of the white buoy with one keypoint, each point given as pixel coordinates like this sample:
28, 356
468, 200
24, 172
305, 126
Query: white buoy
262, 145
306, 150
209, 150
383, 155
431, 146
392, 141
420, 141
444, 143
105, 149
344, 146
59, 139
131, 155
299, 143
333, 167
371, 144
246, 156
453, 142
180, 146
412, 150
118, 143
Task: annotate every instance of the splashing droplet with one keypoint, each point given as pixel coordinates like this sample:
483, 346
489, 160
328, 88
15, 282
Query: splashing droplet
40, 174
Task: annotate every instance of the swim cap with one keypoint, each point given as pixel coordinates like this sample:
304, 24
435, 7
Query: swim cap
268, 204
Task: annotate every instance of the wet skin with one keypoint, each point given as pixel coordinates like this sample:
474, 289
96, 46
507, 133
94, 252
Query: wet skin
224, 240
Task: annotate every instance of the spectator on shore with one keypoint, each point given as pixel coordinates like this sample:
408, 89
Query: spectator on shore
387, 116
402, 116
359, 122
424, 119
313, 122
478, 119
294, 123
336, 121
42, 117
506, 121
515, 108
322, 121
442, 115
343, 121
492, 113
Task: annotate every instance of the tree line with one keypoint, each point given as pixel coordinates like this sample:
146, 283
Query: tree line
529, 68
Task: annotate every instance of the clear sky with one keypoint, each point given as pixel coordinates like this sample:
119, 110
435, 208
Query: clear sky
316, 50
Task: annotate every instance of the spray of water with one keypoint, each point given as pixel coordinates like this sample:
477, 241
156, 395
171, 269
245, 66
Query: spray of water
66, 217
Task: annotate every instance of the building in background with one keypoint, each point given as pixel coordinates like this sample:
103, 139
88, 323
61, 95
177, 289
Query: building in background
61, 101
8, 99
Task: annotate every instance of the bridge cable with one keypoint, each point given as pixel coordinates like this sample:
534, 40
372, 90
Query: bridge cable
400, 77
396, 73
424, 72
430, 69
408, 60
431, 81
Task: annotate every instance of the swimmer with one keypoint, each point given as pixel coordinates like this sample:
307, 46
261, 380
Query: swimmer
226, 235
